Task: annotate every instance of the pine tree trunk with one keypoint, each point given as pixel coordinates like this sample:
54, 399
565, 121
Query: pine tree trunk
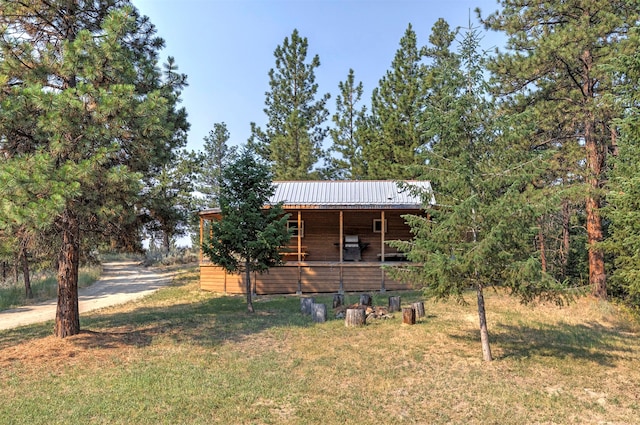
543, 254
596, 150
67, 313
566, 241
597, 275
26, 275
484, 332
247, 271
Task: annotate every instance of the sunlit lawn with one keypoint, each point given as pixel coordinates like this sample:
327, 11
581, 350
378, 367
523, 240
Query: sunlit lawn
186, 356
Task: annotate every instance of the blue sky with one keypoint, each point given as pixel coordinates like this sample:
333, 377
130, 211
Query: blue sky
226, 47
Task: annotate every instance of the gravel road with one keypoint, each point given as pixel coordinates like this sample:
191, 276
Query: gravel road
120, 282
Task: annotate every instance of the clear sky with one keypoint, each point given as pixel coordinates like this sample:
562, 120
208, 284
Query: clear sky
226, 47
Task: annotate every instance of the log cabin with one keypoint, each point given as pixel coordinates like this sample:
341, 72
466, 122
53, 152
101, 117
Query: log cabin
339, 243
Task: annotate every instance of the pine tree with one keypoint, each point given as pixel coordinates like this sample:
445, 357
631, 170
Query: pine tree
169, 202
292, 140
85, 115
479, 235
248, 237
553, 70
216, 155
345, 136
395, 129
624, 185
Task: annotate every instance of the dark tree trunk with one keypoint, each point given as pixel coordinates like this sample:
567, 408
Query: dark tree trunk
566, 241
247, 271
543, 253
484, 332
67, 313
166, 242
25, 274
596, 149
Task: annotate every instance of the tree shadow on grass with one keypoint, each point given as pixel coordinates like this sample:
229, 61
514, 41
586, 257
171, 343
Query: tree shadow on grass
207, 323
590, 341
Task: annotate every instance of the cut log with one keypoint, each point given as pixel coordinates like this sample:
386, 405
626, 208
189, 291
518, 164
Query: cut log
365, 299
394, 304
419, 309
338, 300
355, 317
319, 312
305, 305
408, 316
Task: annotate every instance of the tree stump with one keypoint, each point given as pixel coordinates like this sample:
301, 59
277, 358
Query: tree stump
365, 299
419, 309
305, 305
338, 300
355, 317
408, 316
319, 312
394, 304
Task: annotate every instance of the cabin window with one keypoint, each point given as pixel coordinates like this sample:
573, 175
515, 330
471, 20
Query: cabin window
293, 225
377, 225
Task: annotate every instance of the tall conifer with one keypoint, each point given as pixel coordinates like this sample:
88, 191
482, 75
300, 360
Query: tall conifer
397, 107
84, 115
293, 137
552, 70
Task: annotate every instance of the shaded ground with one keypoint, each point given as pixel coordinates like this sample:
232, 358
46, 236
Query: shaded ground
120, 282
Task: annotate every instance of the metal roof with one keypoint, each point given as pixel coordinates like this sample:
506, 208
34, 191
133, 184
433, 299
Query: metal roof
348, 194
352, 194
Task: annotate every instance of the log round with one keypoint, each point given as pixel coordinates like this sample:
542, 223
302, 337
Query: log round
305, 305
338, 300
355, 317
319, 312
419, 308
394, 304
408, 316
365, 299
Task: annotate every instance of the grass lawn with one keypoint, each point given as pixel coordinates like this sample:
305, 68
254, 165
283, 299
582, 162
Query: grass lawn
182, 356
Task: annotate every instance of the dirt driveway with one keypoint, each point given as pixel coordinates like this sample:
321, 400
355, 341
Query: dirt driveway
120, 282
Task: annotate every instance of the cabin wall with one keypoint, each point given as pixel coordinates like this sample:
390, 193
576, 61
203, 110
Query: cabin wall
308, 278
322, 233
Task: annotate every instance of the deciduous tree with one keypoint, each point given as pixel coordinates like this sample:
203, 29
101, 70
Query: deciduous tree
249, 237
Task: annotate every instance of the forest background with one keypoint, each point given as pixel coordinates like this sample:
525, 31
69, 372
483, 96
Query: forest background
532, 150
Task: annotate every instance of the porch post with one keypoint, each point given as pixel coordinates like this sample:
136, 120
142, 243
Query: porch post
382, 234
201, 237
299, 291
341, 248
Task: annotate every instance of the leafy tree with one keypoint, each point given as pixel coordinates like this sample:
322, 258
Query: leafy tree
346, 141
397, 105
624, 184
292, 140
85, 115
479, 236
553, 70
248, 237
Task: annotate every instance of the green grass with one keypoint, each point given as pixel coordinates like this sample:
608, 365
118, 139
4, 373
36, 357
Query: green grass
186, 356
43, 288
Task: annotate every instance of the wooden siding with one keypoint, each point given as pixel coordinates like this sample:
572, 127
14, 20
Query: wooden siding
304, 278
322, 233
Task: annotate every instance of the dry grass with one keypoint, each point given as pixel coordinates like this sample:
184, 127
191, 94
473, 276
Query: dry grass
185, 356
